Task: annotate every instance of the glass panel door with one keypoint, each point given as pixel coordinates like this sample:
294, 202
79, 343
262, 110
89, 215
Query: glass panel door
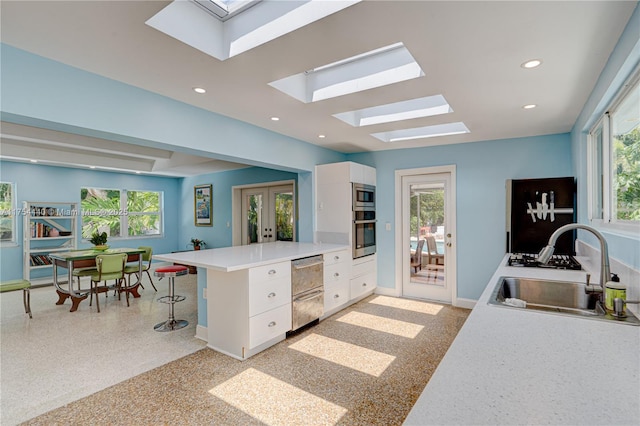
252, 214
425, 218
283, 212
268, 214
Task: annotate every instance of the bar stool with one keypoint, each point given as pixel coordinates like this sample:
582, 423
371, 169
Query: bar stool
171, 272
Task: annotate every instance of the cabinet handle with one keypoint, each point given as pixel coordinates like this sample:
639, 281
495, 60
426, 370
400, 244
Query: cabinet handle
336, 296
271, 295
336, 274
273, 271
364, 284
336, 257
272, 324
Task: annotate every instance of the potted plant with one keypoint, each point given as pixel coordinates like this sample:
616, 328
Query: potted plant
196, 243
99, 240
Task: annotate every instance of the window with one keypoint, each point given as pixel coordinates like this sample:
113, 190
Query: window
7, 212
614, 161
102, 211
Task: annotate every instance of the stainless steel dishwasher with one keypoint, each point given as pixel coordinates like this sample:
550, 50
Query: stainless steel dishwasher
307, 290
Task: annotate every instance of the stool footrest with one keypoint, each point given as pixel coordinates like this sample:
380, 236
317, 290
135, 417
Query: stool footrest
171, 299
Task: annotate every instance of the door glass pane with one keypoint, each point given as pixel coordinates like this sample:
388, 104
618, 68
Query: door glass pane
284, 216
254, 218
427, 231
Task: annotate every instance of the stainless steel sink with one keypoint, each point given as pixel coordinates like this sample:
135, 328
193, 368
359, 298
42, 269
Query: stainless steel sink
560, 297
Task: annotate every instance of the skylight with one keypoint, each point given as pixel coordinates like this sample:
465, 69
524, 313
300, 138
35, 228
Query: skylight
405, 110
226, 9
422, 132
226, 28
376, 68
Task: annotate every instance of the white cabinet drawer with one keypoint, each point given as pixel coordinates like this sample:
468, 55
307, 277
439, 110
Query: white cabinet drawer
335, 296
336, 273
264, 296
274, 271
362, 284
268, 325
337, 257
363, 267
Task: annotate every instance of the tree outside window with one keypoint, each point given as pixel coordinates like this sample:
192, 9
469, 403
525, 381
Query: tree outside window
7, 212
102, 212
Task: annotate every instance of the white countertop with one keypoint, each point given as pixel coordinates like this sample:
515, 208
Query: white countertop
235, 258
514, 366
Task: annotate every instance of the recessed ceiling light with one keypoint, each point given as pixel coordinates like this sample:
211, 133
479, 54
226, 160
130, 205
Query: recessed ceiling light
529, 106
321, 136
275, 118
532, 63
199, 90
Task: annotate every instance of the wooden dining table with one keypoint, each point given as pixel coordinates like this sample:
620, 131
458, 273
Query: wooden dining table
75, 259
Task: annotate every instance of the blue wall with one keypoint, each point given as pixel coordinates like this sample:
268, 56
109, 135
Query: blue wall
49, 183
219, 235
482, 169
624, 247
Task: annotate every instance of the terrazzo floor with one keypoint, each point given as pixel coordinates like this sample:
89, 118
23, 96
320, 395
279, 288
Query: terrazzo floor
365, 365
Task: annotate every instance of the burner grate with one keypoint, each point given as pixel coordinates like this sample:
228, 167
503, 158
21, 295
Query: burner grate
557, 261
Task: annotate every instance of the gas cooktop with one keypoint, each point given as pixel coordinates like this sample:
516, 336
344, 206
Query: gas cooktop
557, 261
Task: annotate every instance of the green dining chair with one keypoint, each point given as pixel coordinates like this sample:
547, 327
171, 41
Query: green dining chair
146, 265
108, 267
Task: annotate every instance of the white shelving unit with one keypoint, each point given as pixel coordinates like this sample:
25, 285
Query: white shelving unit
40, 219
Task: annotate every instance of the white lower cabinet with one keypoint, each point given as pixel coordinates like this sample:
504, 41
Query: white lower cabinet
248, 310
268, 325
363, 277
337, 270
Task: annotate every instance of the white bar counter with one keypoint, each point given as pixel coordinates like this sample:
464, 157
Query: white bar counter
248, 292
228, 259
514, 366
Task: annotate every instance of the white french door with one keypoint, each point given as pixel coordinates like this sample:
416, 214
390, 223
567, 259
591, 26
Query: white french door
267, 214
427, 211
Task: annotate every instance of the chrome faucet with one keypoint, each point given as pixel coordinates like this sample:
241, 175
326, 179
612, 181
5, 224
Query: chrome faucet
605, 273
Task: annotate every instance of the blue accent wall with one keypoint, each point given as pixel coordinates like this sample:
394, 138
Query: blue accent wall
482, 169
61, 184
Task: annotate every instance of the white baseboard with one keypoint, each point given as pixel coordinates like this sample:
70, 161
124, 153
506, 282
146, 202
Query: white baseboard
202, 333
386, 291
464, 303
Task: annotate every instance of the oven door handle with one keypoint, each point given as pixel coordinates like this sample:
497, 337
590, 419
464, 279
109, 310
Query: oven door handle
310, 296
358, 222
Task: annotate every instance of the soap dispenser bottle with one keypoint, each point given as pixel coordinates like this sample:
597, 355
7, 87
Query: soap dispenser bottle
614, 289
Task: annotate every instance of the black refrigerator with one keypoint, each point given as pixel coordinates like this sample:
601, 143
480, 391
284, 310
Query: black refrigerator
535, 209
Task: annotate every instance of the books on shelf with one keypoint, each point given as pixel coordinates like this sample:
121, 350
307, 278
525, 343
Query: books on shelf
40, 260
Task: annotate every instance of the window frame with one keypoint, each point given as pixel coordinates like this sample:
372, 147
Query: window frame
607, 193
12, 213
123, 213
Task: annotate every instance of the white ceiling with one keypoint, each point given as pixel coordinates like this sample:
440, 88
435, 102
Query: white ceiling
470, 52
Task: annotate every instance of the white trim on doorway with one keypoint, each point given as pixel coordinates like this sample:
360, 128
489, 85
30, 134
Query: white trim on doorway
451, 257
236, 205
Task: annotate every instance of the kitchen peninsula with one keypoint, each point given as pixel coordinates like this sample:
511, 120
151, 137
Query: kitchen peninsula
249, 290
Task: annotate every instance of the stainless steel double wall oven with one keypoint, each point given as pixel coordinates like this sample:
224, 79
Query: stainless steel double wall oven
364, 220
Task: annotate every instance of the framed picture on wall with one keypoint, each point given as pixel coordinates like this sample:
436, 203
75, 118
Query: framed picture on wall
203, 213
